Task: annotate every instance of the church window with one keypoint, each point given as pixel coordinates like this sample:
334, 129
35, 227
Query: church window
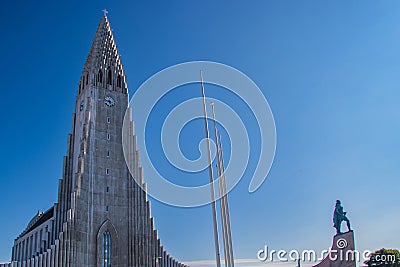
26, 248
87, 78
108, 136
108, 189
36, 237
109, 76
107, 171
108, 119
119, 81
41, 239
108, 153
31, 249
100, 76
106, 249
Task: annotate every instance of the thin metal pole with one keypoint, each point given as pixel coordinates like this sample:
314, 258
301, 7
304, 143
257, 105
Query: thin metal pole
210, 173
225, 197
229, 259
221, 192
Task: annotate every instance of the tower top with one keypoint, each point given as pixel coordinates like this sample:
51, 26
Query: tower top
104, 54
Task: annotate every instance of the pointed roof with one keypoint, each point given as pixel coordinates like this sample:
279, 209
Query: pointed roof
104, 53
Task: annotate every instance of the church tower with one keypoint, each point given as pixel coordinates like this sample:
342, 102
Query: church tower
100, 185
102, 217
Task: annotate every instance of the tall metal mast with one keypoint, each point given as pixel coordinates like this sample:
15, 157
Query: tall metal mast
210, 173
225, 198
226, 228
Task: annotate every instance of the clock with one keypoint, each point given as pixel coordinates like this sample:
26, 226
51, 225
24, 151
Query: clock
81, 106
109, 101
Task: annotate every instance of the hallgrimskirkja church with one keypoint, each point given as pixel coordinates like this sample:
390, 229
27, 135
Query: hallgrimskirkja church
102, 216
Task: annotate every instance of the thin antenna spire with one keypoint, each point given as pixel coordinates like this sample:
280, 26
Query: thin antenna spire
210, 173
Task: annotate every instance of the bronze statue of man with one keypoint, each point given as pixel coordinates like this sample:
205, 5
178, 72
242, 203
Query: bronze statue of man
339, 216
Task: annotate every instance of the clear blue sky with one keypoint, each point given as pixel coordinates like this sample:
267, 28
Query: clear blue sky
329, 69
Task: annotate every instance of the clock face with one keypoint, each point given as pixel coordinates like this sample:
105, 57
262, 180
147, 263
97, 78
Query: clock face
109, 101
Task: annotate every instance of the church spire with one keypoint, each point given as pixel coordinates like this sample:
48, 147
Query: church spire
103, 67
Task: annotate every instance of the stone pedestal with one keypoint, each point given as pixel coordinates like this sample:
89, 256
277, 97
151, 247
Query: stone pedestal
342, 252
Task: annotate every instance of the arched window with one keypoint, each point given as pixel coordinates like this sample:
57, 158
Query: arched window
100, 76
119, 81
109, 77
106, 249
87, 78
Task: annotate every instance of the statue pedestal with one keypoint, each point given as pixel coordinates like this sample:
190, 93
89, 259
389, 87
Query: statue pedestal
342, 252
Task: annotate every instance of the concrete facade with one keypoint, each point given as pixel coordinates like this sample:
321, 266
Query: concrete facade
102, 217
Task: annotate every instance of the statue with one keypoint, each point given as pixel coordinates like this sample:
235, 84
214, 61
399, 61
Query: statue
339, 216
